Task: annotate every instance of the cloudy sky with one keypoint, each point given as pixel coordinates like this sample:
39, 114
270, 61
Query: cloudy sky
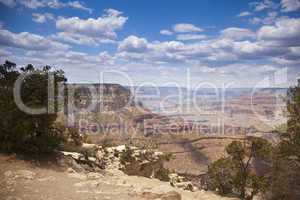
161, 42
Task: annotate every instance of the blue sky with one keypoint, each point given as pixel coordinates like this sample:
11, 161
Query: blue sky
241, 43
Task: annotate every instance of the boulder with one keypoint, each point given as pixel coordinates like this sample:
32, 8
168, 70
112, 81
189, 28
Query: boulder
180, 182
142, 168
80, 162
185, 186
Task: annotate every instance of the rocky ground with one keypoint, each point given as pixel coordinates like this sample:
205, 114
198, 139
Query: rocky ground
27, 180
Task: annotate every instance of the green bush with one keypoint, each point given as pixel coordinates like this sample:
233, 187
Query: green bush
127, 155
286, 159
162, 174
107, 142
21, 132
75, 137
168, 157
221, 176
233, 174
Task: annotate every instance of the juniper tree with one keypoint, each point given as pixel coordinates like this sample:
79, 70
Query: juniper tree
235, 174
20, 131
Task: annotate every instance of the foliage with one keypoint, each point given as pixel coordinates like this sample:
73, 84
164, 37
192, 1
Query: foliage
74, 135
107, 142
162, 174
233, 174
127, 155
22, 132
145, 143
83, 138
221, 175
286, 160
167, 157
282, 129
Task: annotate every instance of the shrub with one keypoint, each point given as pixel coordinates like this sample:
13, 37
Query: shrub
127, 155
221, 176
21, 132
162, 174
75, 137
286, 159
107, 142
168, 157
233, 174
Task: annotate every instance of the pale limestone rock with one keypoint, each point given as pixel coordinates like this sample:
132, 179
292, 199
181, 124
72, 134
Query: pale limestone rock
50, 178
89, 146
70, 170
93, 176
120, 148
8, 174
185, 185
72, 154
25, 174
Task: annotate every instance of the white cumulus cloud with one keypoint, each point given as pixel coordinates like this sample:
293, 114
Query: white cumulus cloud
56, 4
244, 14
133, 44
25, 40
269, 19
185, 37
237, 33
9, 3
290, 5
78, 5
79, 39
32, 4
166, 32
104, 26
263, 5
42, 17
285, 32
186, 28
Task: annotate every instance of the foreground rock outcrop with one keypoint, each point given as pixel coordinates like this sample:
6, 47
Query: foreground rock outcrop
24, 180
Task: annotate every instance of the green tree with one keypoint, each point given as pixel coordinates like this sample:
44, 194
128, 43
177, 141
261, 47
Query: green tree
234, 175
20, 131
286, 160
221, 174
